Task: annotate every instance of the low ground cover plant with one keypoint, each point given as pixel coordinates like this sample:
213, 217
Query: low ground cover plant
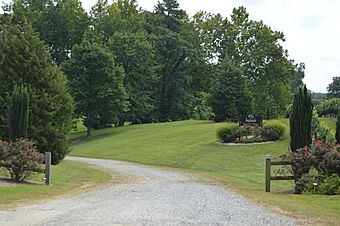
20, 158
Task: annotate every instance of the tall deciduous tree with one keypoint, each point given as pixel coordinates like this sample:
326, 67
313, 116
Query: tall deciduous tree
333, 89
24, 59
256, 49
60, 23
166, 29
230, 95
96, 83
122, 26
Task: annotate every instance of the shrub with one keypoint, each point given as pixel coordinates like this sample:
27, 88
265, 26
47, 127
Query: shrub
276, 126
227, 133
20, 158
330, 186
310, 184
330, 163
269, 134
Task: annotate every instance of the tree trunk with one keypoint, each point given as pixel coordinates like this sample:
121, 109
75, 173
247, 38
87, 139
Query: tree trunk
89, 125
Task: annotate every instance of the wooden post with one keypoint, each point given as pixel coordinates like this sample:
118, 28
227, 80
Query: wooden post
48, 168
268, 166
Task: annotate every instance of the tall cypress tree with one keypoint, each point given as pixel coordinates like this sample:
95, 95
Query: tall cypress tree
18, 113
301, 120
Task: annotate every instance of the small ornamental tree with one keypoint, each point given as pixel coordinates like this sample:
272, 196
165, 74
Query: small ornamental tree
301, 120
20, 158
18, 113
337, 133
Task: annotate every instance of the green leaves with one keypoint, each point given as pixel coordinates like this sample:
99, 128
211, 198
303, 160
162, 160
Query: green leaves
25, 60
96, 84
230, 95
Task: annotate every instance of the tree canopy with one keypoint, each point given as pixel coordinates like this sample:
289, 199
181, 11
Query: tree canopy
128, 65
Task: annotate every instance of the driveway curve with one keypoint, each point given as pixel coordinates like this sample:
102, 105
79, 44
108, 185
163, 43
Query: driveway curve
156, 197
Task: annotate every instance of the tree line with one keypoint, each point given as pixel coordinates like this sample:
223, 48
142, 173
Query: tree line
121, 64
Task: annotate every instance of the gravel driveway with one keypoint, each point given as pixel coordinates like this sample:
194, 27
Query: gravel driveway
157, 197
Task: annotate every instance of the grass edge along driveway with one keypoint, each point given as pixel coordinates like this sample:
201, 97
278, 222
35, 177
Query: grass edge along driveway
190, 145
68, 178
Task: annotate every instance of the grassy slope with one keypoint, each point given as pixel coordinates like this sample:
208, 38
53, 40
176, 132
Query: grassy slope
67, 178
191, 145
329, 122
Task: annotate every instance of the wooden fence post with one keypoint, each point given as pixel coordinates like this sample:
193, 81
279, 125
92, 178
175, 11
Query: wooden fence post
268, 166
48, 168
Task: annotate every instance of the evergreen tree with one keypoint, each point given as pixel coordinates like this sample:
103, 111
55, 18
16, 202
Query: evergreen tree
301, 120
24, 59
96, 84
18, 113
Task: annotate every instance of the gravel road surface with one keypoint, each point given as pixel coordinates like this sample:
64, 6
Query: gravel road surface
154, 197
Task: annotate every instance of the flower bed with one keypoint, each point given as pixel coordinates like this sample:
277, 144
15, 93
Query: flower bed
232, 133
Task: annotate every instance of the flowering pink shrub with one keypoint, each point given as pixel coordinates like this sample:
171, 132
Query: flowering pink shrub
322, 155
20, 158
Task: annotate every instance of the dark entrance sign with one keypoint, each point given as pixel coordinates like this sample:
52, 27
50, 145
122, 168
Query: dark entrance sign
251, 120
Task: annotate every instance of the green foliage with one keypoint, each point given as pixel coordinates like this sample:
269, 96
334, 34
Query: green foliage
330, 186
250, 134
18, 113
227, 133
323, 156
337, 130
230, 96
96, 84
20, 158
202, 110
60, 24
333, 89
277, 126
320, 130
256, 49
329, 107
301, 120
24, 59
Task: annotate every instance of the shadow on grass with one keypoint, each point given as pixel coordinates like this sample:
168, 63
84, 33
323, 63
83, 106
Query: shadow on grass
81, 136
8, 182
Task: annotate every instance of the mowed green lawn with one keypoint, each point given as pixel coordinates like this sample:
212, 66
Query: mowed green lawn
68, 178
191, 145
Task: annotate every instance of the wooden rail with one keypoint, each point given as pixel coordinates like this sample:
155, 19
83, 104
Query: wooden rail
47, 169
268, 176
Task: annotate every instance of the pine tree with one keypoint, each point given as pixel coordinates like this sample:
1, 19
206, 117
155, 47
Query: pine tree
301, 120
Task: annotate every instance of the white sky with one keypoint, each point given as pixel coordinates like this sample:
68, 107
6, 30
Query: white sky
311, 28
